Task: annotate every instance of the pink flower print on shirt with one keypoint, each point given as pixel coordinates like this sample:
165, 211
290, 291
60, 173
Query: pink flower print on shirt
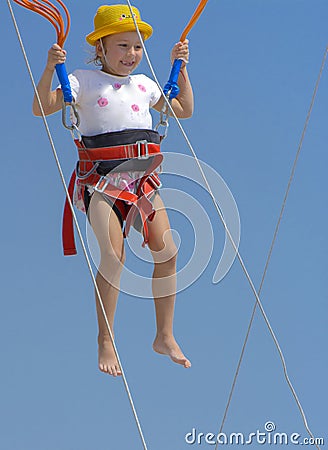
102, 102
135, 108
117, 86
142, 87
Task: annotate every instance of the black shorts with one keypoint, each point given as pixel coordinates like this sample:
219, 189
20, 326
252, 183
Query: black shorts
120, 208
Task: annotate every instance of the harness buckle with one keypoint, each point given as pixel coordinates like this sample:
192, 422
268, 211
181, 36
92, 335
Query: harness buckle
98, 187
155, 181
142, 147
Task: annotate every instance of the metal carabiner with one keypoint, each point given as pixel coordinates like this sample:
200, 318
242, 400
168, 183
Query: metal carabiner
73, 111
164, 117
163, 123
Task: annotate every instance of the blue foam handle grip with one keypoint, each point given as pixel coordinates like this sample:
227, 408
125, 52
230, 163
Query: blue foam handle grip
172, 84
64, 81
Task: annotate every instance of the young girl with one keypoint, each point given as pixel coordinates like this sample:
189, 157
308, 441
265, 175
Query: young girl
113, 104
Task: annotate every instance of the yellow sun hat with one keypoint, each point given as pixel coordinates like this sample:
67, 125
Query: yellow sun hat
112, 19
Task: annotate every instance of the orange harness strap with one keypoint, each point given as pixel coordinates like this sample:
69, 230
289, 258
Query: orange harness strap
138, 203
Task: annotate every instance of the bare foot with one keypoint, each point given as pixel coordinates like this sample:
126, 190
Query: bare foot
107, 359
167, 345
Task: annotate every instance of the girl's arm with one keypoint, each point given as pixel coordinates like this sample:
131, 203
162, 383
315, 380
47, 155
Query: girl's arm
51, 100
183, 104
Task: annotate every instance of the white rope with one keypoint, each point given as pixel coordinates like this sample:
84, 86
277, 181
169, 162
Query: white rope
273, 243
258, 302
77, 224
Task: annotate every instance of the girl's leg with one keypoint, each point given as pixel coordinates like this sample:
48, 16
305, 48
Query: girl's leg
107, 229
164, 253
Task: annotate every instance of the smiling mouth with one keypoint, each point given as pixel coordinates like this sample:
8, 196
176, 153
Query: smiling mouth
127, 64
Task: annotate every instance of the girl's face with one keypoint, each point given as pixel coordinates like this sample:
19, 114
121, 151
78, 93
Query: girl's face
120, 53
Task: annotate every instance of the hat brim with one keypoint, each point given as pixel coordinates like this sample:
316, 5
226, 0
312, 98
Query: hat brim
107, 30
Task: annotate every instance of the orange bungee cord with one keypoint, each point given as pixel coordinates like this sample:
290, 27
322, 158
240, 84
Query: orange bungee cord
193, 19
50, 12
54, 15
171, 89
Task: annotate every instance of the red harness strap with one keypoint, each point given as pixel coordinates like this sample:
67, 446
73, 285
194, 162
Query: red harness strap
89, 160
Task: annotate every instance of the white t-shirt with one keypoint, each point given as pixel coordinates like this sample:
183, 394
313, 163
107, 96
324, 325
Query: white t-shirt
107, 103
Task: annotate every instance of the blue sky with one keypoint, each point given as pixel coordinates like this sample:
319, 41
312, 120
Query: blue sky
253, 66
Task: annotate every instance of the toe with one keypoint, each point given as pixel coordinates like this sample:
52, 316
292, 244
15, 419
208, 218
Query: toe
187, 364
